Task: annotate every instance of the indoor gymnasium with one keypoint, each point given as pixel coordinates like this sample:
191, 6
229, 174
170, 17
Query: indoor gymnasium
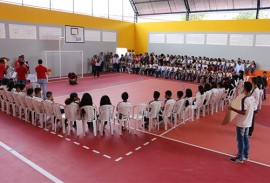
134, 91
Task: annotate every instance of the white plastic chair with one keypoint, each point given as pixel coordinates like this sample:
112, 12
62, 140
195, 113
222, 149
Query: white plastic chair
206, 105
24, 107
106, 113
89, 114
10, 102
187, 112
48, 112
260, 100
4, 100
61, 117
124, 112
167, 113
39, 113
178, 111
31, 109
198, 105
72, 115
153, 113
138, 114
17, 104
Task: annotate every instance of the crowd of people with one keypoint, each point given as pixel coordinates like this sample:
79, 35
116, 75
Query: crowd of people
215, 74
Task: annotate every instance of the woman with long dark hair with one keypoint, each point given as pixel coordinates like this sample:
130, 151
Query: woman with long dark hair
86, 101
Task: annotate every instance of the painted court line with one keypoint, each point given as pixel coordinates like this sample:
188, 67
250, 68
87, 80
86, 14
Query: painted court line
53, 133
77, 143
85, 147
138, 148
30, 163
95, 151
67, 139
153, 139
146, 143
118, 159
46, 129
129, 153
115, 86
60, 136
107, 156
200, 147
170, 129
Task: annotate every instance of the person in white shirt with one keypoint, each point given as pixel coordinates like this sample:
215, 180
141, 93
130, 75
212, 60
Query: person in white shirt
38, 95
22, 90
98, 65
244, 121
119, 107
256, 94
239, 67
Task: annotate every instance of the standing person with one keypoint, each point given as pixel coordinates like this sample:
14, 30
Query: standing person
3, 70
256, 94
97, 67
265, 80
42, 77
21, 73
93, 63
243, 123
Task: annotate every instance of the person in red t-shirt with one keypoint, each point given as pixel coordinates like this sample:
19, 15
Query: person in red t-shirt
3, 69
42, 77
17, 63
21, 74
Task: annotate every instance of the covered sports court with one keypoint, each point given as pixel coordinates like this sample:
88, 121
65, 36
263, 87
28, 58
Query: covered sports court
195, 151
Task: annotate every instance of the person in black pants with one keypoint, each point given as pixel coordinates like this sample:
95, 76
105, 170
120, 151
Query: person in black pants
97, 68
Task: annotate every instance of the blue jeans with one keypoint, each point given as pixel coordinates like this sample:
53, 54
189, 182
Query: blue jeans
43, 86
21, 82
264, 93
242, 142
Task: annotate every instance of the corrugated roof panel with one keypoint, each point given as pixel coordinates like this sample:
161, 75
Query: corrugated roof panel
265, 3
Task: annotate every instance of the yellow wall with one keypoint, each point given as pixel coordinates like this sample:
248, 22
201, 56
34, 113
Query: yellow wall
26, 14
142, 29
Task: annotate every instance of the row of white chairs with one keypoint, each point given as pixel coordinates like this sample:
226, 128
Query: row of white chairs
174, 112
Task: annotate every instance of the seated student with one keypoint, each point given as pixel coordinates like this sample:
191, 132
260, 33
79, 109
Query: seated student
22, 90
72, 78
187, 96
30, 92
86, 101
4, 84
49, 97
156, 97
11, 85
121, 104
38, 94
105, 100
73, 100
265, 81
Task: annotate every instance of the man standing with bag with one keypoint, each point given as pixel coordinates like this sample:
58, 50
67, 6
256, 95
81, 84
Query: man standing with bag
244, 121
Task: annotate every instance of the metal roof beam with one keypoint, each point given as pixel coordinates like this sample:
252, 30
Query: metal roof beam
136, 13
258, 8
187, 9
151, 1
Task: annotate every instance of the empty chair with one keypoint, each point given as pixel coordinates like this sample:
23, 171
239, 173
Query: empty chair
138, 115
123, 116
89, 114
106, 113
59, 116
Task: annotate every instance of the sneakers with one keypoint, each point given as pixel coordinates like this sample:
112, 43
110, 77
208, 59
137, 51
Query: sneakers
245, 158
236, 160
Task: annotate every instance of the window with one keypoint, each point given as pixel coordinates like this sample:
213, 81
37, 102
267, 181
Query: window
83, 7
100, 8
116, 9
12, 1
162, 18
128, 12
37, 3
65, 5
